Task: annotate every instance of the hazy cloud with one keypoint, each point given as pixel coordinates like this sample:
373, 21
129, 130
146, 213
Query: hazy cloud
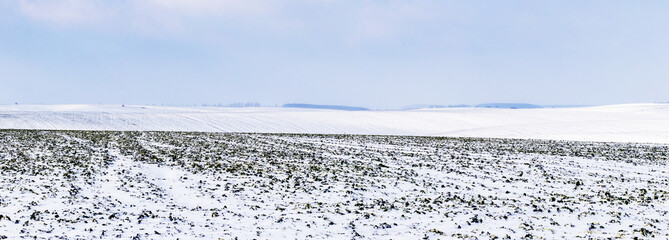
199, 8
350, 21
336, 51
390, 18
64, 12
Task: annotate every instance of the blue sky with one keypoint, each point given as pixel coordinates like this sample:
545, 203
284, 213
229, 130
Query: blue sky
378, 54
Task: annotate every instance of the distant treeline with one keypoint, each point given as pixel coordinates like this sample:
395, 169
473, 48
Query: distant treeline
485, 105
314, 106
508, 105
237, 104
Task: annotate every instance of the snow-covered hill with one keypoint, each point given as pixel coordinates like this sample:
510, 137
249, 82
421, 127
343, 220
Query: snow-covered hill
618, 123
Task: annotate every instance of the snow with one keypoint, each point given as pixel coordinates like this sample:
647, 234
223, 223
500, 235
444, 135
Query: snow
646, 123
204, 183
169, 185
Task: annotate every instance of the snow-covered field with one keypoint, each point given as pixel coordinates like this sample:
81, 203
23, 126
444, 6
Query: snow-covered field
647, 123
168, 185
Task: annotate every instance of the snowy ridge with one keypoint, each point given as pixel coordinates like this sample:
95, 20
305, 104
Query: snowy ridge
616, 123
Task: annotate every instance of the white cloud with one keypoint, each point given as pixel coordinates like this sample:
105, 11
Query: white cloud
89, 12
349, 21
390, 18
152, 17
178, 16
64, 12
199, 8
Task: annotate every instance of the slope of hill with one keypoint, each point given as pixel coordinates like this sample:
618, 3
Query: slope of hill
619, 123
331, 107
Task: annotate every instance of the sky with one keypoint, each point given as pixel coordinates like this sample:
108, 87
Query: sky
376, 54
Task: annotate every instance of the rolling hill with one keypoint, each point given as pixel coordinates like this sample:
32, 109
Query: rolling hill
618, 123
